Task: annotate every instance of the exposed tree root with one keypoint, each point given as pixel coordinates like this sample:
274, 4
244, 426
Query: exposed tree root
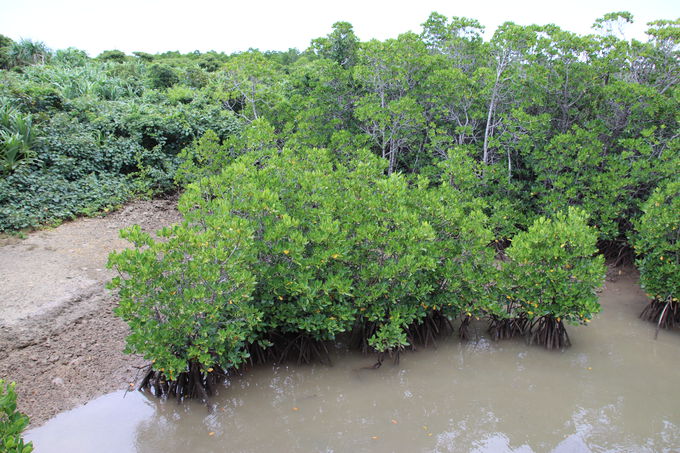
464, 328
361, 332
618, 251
547, 331
432, 327
301, 347
260, 355
286, 347
666, 314
192, 383
196, 383
506, 328
393, 354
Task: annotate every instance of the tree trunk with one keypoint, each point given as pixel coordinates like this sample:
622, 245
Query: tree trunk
393, 157
492, 107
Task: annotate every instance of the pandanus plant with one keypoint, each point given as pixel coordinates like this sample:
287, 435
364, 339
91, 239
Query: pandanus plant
17, 137
27, 52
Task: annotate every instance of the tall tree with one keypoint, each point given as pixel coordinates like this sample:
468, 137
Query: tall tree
389, 73
341, 45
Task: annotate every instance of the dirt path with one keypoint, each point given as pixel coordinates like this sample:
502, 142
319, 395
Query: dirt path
59, 339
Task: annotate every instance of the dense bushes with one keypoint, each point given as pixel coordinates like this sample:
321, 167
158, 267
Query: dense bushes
78, 136
30, 198
188, 302
284, 250
12, 422
657, 243
552, 276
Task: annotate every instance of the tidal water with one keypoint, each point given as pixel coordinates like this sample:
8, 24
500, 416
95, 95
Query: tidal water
615, 390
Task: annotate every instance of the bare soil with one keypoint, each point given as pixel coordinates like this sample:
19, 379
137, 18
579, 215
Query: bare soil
59, 339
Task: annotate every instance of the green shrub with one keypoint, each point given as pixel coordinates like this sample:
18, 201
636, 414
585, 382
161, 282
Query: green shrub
207, 156
27, 52
499, 199
180, 94
30, 96
98, 146
464, 275
392, 259
325, 248
78, 169
144, 56
5, 44
195, 77
71, 57
573, 170
31, 198
553, 274
294, 203
657, 244
341, 245
12, 422
187, 299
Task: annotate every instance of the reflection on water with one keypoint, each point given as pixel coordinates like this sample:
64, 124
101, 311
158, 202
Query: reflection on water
613, 391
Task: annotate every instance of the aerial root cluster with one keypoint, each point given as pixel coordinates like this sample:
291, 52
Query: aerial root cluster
549, 332
665, 313
433, 326
506, 328
464, 328
193, 383
304, 349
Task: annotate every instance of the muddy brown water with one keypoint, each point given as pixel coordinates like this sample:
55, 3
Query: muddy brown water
614, 390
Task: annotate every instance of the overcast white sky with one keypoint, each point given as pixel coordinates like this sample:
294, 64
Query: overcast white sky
159, 25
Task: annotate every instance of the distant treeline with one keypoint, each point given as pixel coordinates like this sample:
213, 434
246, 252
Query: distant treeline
537, 119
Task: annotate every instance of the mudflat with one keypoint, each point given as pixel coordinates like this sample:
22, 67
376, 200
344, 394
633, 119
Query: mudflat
60, 340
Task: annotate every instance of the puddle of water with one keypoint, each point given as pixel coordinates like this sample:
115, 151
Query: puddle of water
614, 390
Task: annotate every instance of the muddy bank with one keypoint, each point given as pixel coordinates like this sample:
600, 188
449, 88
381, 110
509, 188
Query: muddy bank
59, 338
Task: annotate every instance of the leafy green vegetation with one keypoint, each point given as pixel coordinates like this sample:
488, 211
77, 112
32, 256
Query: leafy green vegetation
12, 422
547, 118
657, 243
188, 302
17, 137
78, 136
552, 276
379, 190
285, 250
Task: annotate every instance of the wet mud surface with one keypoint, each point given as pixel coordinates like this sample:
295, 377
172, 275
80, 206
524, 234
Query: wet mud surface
59, 339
